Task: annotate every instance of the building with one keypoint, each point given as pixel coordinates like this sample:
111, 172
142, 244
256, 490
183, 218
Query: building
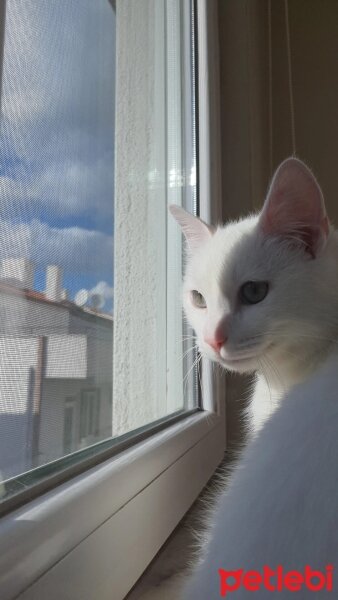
55, 371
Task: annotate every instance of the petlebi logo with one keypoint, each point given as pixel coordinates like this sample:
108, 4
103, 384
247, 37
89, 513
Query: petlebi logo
276, 580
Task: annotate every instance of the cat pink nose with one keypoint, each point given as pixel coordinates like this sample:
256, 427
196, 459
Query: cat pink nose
216, 342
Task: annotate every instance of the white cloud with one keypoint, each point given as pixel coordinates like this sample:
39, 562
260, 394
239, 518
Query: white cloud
58, 54
65, 188
57, 128
73, 248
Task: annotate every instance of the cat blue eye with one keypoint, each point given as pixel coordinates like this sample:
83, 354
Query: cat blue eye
252, 292
197, 299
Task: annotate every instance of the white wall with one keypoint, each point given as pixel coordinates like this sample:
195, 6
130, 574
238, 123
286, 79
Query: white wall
19, 316
140, 217
18, 361
66, 356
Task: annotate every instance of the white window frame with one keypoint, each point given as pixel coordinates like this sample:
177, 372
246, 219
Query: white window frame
93, 536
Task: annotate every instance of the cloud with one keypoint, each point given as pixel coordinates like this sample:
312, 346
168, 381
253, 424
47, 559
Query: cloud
103, 289
64, 188
57, 126
75, 249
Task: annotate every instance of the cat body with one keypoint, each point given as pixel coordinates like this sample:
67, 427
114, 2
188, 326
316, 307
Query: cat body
262, 297
281, 506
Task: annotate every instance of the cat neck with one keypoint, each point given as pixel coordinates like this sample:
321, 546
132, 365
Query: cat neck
281, 372
295, 363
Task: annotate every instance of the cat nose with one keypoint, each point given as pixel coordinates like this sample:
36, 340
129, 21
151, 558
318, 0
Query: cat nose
216, 342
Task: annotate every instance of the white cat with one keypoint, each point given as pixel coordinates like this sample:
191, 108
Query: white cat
262, 296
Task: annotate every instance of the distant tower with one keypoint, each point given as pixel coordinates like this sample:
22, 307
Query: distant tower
19, 271
54, 288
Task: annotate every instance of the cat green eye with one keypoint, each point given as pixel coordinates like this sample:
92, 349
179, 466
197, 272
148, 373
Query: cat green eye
198, 299
252, 292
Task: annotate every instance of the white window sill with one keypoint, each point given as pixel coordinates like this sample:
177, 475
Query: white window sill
56, 533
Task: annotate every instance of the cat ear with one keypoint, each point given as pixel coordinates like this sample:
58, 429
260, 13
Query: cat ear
294, 207
194, 229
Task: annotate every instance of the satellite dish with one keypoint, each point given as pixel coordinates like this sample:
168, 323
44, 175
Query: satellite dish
97, 301
81, 298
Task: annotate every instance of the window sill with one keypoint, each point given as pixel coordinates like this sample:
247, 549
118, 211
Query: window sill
85, 516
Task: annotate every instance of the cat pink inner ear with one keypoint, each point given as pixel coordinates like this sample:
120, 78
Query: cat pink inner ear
194, 229
294, 207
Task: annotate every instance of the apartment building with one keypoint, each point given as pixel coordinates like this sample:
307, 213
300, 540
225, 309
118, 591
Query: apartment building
55, 370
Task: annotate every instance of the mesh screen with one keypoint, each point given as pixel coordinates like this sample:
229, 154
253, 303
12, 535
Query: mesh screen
56, 229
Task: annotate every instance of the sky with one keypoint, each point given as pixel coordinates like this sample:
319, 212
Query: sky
56, 140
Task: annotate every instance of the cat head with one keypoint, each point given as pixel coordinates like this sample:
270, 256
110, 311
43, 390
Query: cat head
252, 288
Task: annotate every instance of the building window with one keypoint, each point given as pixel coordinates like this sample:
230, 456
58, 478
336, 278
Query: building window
68, 434
89, 415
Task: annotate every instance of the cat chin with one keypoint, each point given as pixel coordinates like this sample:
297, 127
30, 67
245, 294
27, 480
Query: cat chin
243, 365
236, 365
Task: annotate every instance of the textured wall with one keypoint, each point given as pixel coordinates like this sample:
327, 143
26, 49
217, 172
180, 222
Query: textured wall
150, 109
140, 218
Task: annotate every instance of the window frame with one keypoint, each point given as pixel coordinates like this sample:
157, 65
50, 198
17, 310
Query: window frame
73, 540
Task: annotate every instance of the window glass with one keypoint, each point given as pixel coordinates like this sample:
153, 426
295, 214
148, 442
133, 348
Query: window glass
92, 341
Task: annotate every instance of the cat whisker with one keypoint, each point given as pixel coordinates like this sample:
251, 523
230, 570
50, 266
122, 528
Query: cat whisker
200, 381
260, 362
186, 352
306, 336
185, 379
295, 337
275, 370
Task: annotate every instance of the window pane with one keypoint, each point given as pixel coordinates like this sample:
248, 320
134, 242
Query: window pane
92, 340
56, 229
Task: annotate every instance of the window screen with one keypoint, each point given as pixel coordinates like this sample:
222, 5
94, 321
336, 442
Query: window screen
92, 342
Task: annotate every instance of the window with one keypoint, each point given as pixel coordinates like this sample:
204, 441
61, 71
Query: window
89, 414
68, 431
74, 316
124, 426
57, 143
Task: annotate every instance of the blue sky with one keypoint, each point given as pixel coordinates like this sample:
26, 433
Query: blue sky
56, 140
